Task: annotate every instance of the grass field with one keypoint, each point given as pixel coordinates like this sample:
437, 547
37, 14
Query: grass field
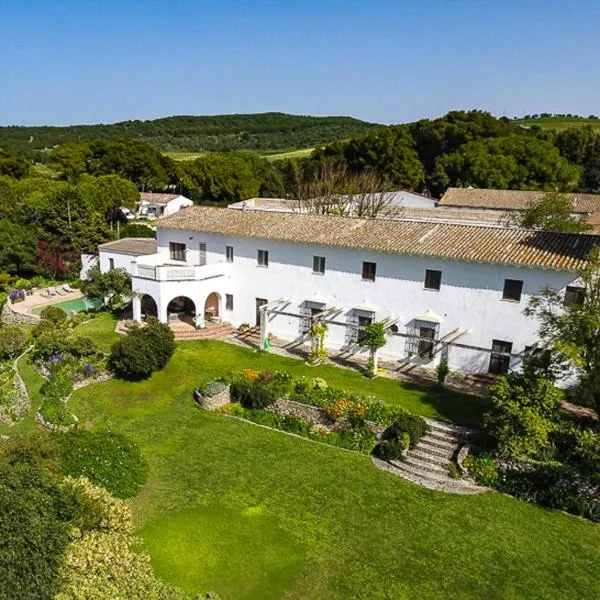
559, 122
101, 329
270, 155
253, 513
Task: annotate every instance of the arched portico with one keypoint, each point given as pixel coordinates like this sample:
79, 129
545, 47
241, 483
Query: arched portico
148, 306
213, 308
181, 310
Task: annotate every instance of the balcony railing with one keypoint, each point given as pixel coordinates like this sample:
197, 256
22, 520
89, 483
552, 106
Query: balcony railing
180, 273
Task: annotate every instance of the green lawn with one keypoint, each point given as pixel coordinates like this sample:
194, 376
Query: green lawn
101, 328
253, 513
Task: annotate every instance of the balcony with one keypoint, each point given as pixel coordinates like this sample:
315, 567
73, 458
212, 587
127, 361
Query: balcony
172, 271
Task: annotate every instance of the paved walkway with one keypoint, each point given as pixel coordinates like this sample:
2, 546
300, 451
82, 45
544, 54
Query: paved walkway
36, 299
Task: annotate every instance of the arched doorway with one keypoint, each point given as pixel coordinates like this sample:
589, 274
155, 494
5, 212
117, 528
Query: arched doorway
212, 308
181, 311
149, 308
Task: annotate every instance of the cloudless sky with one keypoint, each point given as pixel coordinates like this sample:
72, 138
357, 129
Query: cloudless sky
389, 61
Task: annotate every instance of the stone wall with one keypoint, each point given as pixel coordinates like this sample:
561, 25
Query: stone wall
12, 317
316, 416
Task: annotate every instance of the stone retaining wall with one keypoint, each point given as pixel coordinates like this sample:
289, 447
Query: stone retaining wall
12, 317
213, 402
316, 416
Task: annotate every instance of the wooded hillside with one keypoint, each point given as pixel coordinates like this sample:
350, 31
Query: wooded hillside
263, 131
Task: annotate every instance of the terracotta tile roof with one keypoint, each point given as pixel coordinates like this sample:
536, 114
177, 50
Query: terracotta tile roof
157, 198
137, 246
460, 241
512, 199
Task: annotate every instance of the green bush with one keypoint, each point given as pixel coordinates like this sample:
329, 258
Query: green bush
406, 423
553, 486
12, 341
295, 425
523, 415
41, 328
53, 314
392, 449
143, 350
107, 458
482, 468
260, 389
35, 517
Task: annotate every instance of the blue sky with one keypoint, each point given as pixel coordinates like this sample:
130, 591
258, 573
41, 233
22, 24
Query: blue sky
388, 61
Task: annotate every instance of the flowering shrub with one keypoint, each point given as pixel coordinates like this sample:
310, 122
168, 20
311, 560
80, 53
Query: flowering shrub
337, 409
250, 375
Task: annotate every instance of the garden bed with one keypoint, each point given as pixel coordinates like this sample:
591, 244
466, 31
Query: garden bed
310, 408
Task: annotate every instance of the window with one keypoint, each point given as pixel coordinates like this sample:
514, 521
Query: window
202, 254
176, 251
574, 296
363, 321
433, 279
229, 253
512, 290
111, 263
263, 258
368, 271
319, 265
500, 357
426, 341
228, 301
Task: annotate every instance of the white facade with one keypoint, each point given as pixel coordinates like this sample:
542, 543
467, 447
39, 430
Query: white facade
465, 315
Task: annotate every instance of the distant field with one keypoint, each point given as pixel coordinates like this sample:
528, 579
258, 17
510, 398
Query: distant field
559, 122
270, 155
185, 155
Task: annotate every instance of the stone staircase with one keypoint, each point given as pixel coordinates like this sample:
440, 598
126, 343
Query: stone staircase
214, 331
427, 463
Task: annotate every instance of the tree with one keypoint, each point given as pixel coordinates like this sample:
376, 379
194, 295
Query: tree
515, 162
552, 212
331, 189
374, 339
12, 341
34, 528
523, 414
113, 288
143, 350
572, 332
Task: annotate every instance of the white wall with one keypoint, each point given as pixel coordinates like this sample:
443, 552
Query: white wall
121, 261
470, 296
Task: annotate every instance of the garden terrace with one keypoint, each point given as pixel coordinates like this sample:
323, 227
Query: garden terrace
319, 522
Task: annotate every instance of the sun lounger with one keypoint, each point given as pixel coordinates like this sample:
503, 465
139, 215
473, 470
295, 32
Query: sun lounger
51, 291
68, 288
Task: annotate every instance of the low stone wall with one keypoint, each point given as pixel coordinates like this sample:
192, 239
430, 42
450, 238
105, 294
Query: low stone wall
17, 409
52, 426
213, 402
12, 317
312, 414
316, 416
92, 380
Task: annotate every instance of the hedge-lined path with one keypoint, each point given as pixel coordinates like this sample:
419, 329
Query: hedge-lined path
427, 463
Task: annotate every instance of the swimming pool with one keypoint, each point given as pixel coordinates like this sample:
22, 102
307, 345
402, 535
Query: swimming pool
70, 306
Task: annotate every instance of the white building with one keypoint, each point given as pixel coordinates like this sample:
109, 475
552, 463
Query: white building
153, 205
450, 291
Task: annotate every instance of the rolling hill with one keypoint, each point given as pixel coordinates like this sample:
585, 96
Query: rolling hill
261, 132
559, 122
